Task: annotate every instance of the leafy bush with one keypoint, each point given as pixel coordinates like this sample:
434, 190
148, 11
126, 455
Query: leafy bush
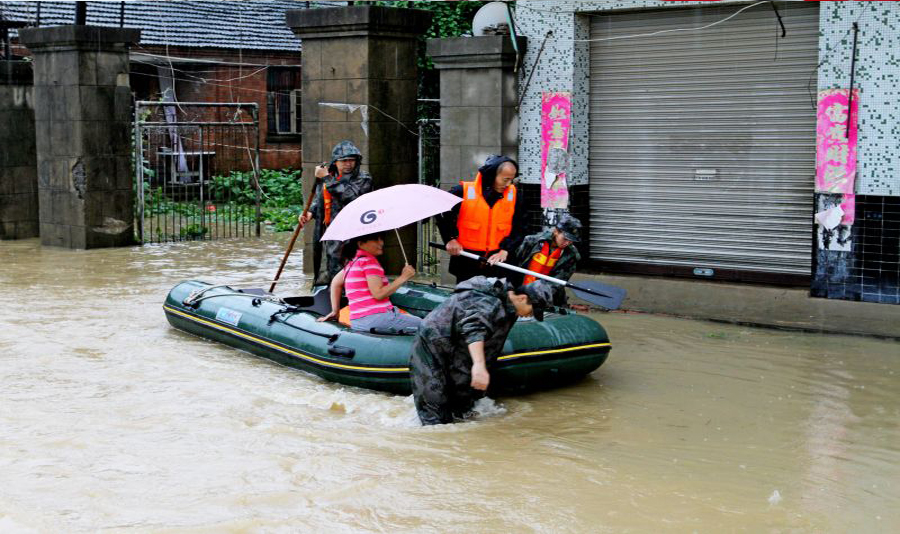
282, 219
233, 198
282, 188
193, 231
278, 188
236, 187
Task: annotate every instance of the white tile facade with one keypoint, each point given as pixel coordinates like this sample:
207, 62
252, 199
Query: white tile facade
564, 66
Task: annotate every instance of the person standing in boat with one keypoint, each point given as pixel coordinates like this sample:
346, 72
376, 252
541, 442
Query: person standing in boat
490, 221
458, 342
368, 291
552, 252
342, 182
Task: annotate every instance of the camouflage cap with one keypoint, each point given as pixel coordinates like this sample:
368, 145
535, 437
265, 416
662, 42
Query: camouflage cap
345, 149
570, 228
540, 295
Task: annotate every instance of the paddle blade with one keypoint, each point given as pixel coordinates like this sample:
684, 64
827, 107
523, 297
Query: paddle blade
599, 294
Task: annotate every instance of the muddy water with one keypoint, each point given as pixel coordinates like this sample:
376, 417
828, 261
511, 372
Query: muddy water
110, 419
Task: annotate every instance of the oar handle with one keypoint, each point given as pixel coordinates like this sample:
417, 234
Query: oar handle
506, 266
550, 279
299, 227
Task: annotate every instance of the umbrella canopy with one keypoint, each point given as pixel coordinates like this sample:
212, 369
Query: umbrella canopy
388, 209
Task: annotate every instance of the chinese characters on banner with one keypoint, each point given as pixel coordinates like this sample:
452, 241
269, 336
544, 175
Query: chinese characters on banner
556, 111
835, 149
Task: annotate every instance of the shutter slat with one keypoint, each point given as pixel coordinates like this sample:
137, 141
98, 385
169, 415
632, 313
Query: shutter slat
664, 107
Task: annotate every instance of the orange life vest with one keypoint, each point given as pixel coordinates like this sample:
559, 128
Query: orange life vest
542, 262
326, 197
482, 227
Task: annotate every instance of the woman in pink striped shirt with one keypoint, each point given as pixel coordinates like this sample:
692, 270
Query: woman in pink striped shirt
368, 290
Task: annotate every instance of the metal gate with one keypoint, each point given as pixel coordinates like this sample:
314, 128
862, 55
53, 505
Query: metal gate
429, 174
196, 170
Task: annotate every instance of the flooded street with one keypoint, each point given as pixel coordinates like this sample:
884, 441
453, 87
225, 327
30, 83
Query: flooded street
112, 420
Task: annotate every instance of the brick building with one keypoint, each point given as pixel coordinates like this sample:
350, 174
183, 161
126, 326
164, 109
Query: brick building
203, 52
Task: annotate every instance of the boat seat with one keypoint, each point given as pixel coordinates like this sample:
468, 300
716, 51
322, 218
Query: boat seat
320, 303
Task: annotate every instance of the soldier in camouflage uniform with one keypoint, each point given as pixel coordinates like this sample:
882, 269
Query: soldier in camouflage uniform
344, 182
458, 342
563, 236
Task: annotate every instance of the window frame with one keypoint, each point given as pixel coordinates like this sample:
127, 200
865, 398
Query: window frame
276, 82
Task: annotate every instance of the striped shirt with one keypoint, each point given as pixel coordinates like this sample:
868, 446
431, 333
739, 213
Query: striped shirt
360, 299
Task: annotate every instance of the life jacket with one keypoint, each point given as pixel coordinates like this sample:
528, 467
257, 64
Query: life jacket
482, 227
542, 262
326, 198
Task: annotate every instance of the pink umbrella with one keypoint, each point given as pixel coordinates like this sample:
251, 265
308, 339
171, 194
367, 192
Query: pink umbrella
389, 209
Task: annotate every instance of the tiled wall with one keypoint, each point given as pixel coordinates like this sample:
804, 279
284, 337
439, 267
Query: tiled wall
564, 66
852, 262
878, 79
860, 262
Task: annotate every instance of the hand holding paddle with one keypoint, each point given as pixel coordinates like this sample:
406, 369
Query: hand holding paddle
453, 247
306, 216
597, 293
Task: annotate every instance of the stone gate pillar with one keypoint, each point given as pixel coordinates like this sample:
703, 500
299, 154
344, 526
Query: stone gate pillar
82, 103
18, 165
364, 56
479, 93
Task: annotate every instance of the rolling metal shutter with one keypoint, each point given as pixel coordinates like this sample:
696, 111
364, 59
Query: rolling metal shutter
702, 143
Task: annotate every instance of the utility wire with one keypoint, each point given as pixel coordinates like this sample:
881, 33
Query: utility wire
736, 13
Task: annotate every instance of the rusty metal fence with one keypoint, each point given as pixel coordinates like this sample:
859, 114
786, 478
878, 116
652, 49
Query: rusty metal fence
196, 171
429, 174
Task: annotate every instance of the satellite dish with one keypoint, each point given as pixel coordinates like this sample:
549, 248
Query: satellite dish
489, 16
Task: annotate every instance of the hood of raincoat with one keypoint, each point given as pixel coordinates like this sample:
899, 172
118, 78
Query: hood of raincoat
489, 172
345, 149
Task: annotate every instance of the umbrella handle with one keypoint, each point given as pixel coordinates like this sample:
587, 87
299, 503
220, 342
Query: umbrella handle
403, 250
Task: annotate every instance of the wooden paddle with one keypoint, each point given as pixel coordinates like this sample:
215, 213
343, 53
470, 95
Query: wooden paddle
597, 293
290, 247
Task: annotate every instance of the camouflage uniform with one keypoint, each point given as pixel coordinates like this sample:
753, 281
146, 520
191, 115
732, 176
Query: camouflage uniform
342, 191
441, 366
565, 265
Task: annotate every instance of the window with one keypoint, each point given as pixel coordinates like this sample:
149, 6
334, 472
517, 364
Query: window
283, 86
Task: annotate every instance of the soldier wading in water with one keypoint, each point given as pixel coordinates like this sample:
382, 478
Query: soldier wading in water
342, 182
459, 340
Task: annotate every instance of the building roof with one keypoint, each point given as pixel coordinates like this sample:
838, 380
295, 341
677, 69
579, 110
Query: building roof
257, 25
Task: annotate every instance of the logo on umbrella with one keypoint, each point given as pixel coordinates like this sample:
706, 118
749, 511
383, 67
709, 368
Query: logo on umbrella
369, 217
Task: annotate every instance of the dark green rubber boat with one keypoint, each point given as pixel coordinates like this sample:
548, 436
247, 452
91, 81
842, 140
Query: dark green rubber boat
537, 355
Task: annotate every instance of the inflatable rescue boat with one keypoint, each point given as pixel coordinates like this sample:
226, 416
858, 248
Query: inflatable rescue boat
563, 348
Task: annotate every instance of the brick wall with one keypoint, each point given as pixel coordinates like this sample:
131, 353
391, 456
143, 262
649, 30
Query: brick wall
218, 82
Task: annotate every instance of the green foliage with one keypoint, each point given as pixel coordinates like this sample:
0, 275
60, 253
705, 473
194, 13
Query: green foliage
283, 219
232, 198
193, 231
237, 187
282, 188
278, 188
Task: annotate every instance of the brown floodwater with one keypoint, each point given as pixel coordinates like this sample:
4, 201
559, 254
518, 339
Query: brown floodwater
111, 420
